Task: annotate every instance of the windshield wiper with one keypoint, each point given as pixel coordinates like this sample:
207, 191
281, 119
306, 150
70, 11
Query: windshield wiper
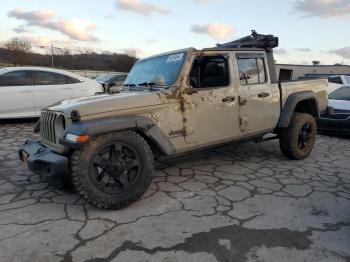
129, 85
149, 85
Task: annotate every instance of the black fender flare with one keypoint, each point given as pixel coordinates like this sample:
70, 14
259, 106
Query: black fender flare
102, 126
292, 103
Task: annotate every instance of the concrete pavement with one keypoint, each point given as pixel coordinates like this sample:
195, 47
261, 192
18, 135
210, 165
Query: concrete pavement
238, 203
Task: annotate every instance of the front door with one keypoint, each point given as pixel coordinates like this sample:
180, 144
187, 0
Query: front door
258, 101
50, 88
210, 104
16, 94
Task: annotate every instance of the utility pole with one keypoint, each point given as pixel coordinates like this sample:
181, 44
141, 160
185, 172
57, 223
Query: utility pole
52, 55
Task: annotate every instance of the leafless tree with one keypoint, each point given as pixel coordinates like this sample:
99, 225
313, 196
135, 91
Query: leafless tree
75, 59
132, 52
19, 50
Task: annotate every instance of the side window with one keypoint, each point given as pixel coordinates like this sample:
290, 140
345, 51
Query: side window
17, 78
210, 71
49, 78
121, 78
71, 80
335, 80
261, 70
252, 71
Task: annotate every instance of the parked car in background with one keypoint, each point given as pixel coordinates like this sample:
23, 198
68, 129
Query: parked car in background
337, 81
337, 121
340, 100
24, 91
112, 81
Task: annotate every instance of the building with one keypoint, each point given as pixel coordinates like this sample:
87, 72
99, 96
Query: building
287, 72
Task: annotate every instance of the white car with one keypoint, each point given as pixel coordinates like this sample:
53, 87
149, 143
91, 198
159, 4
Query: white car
337, 81
340, 100
24, 91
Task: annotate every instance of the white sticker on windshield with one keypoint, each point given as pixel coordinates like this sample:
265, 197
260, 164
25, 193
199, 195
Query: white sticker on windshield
174, 58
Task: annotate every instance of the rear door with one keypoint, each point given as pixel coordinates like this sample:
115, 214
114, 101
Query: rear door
16, 94
51, 87
258, 100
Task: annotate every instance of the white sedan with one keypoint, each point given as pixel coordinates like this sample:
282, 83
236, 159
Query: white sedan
340, 100
24, 91
337, 81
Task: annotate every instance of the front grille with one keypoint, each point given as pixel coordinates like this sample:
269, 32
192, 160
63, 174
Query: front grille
47, 126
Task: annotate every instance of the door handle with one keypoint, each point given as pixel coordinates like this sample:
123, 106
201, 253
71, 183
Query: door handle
26, 91
228, 99
263, 95
67, 88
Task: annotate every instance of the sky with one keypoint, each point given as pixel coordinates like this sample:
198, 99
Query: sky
308, 29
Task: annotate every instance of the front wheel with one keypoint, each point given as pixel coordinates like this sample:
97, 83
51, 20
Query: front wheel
113, 170
298, 139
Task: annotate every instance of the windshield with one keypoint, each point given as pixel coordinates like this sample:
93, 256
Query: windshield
342, 93
161, 70
347, 79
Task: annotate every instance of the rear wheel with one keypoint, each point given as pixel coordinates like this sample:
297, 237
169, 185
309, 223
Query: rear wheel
114, 170
298, 139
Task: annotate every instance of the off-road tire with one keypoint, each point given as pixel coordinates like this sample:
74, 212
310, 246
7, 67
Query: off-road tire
290, 137
80, 166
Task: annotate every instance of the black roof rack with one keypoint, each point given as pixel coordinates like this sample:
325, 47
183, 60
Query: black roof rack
254, 40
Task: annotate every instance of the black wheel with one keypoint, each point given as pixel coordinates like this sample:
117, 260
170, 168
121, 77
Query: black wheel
113, 170
298, 139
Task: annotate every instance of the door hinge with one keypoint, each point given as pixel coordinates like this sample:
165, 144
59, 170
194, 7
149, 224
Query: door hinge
242, 101
188, 131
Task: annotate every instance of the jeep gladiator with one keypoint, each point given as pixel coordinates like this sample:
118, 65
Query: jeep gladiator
174, 103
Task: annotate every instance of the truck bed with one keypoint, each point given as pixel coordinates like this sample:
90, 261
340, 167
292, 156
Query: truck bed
318, 86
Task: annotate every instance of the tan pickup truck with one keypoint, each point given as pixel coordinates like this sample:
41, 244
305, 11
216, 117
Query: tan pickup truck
174, 103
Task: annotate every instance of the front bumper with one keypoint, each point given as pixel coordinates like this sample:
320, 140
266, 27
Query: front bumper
42, 160
335, 123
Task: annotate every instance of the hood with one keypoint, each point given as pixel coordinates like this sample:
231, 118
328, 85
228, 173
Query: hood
98, 104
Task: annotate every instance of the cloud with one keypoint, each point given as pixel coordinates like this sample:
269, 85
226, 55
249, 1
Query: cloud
205, 1
39, 40
343, 52
324, 8
298, 62
150, 40
109, 16
280, 51
21, 29
32, 17
77, 29
302, 49
215, 30
140, 8
42, 44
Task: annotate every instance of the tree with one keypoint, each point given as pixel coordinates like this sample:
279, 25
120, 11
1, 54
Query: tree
132, 52
19, 50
